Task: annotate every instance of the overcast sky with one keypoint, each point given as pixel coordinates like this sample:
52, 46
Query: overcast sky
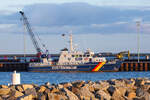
102, 25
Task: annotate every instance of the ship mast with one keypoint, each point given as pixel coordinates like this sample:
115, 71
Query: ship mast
71, 47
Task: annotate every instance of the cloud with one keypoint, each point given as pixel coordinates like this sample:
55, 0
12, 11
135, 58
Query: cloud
9, 28
81, 18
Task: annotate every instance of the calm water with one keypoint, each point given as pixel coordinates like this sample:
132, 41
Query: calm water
41, 78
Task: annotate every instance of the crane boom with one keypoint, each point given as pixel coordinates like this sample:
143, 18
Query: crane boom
32, 36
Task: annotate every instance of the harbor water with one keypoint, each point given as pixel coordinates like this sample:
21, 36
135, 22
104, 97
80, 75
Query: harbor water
41, 78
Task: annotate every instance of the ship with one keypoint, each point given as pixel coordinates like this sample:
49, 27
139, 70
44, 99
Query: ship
69, 60
75, 61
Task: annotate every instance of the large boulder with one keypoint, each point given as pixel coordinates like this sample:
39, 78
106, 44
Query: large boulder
42, 97
10, 98
19, 88
85, 93
2, 99
118, 95
5, 97
122, 90
3, 86
66, 85
47, 84
26, 86
31, 91
119, 83
54, 96
53, 90
71, 95
111, 82
96, 87
129, 81
147, 82
139, 82
139, 92
147, 96
130, 94
60, 86
4, 91
102, 95
111, 90
104, 85
25, 97
101, 85
47, 91
16, 93
148, 89
42, 88
78, 84
75, 90
12, 87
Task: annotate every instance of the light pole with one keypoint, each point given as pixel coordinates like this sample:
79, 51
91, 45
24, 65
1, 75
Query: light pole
24, 43
138, 39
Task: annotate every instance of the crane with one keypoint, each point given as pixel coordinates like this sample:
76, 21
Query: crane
32, 36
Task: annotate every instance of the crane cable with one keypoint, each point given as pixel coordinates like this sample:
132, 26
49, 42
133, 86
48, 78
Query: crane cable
43, 45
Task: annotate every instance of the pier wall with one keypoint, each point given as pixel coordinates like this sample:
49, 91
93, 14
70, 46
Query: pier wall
9, 67
135, 66
130, 65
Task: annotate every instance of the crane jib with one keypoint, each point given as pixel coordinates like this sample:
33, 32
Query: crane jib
32, 36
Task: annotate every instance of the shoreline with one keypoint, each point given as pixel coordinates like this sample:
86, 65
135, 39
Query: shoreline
114, 89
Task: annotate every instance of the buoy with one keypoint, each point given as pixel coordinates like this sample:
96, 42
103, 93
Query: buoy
15, 78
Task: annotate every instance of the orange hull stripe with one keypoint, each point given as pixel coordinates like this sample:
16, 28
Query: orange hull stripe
99, 66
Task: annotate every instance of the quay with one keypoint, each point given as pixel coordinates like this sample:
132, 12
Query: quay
11, 66
11, 62
134, 65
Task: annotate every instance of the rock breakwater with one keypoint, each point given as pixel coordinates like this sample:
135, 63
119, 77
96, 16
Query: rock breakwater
115, 89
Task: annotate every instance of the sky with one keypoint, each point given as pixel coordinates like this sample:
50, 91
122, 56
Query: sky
101, 25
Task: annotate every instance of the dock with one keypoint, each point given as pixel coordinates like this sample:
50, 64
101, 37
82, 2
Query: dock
134, 65
11, 62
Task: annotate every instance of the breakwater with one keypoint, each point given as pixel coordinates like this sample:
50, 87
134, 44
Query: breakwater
114, 89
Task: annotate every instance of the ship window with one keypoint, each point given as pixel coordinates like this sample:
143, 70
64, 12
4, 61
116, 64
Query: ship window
90, 60
72, 55
76, 56
78, 59
80, 55
87, 55
69, 59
